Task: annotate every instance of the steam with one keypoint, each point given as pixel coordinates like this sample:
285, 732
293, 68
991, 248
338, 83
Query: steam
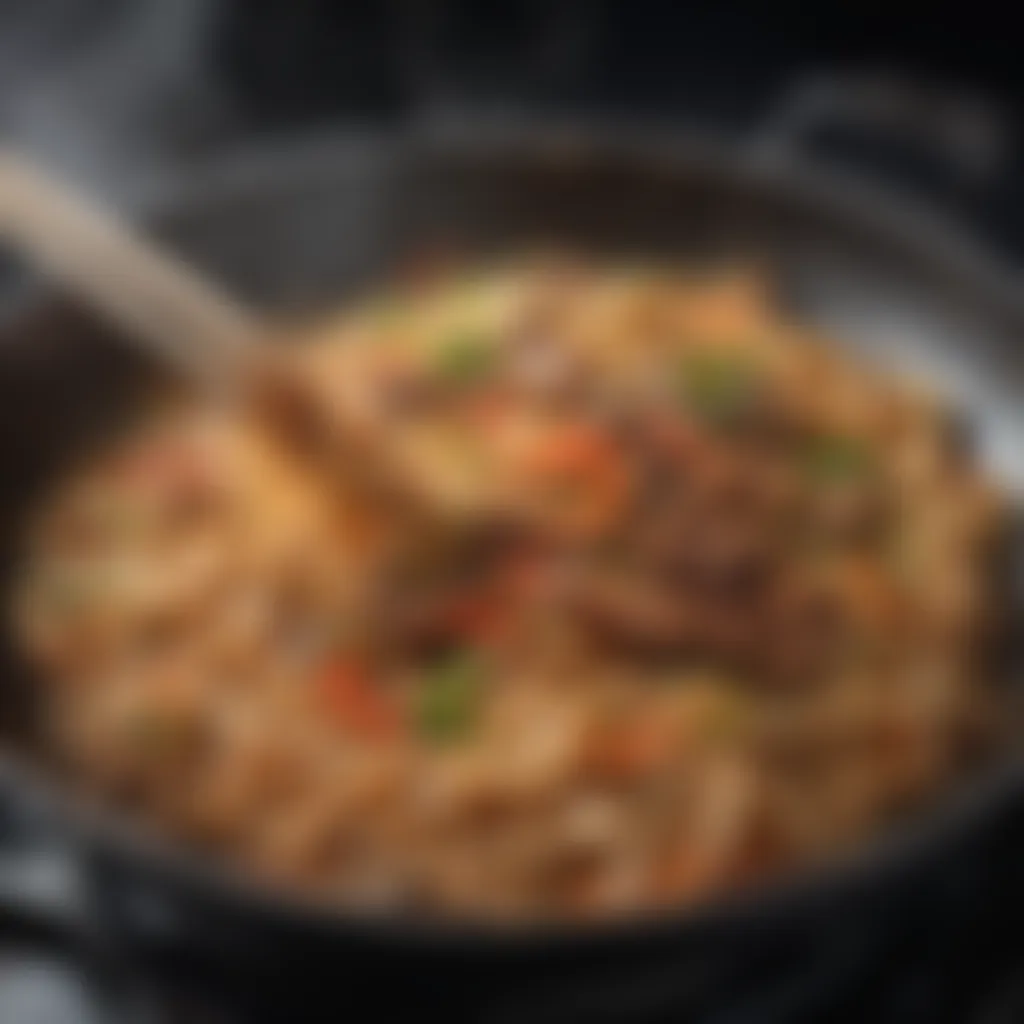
112, 94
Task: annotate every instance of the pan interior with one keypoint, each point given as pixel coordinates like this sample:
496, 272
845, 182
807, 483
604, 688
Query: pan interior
303, 235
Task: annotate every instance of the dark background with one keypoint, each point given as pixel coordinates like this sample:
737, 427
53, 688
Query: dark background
127, 93
140, 69
688, 59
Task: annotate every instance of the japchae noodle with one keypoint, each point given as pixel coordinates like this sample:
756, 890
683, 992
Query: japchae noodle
549, 591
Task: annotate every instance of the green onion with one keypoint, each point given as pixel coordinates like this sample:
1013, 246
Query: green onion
387, 313
721, 388
837, 459
448, 701
465, 358
152, 732
728, 720
67, 591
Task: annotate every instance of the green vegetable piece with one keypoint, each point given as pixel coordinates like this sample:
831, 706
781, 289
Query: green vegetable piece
722, 388
729, 721
387, 313
67, 592
153, 733
838, 459
448, 702
465, 358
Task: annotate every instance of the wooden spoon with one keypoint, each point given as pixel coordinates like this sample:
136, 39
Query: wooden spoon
165, 307
158, 301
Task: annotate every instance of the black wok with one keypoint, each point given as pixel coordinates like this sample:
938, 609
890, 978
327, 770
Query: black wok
299, 229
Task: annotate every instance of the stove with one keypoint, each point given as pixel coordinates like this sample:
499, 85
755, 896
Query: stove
127, 97
948, 950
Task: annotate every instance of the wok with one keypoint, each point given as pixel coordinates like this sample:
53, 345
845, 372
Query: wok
299, 228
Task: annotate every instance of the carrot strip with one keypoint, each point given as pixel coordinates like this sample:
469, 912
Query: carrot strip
588, 463
629, 752
356, 704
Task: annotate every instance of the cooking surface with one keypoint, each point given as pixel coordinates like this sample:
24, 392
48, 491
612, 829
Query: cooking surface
963, 937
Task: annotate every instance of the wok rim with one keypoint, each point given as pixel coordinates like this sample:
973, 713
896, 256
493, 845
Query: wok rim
173, 863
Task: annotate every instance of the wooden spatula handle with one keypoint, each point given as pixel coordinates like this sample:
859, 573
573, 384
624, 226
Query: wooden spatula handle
154, 298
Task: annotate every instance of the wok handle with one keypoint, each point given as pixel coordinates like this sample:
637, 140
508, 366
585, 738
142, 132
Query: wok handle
48, 909
162, 305
951, 142
44, 883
